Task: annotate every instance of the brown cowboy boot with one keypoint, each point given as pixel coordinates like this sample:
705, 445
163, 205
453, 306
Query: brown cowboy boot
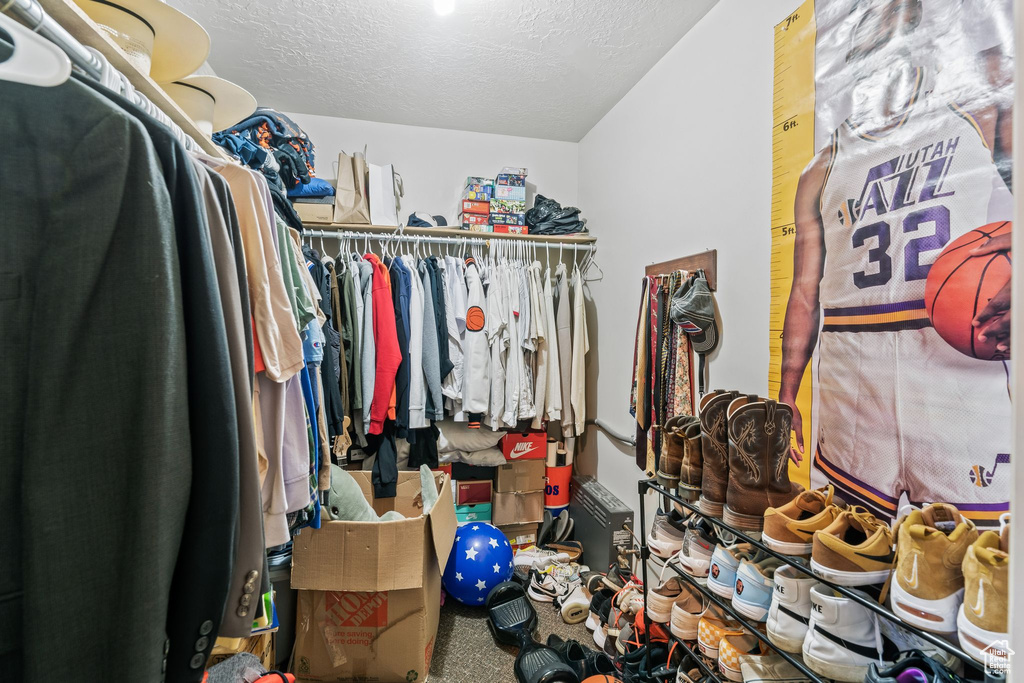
758, 460
714, 436
692, 470
671, 454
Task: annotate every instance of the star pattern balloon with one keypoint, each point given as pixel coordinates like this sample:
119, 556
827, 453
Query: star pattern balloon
481, 558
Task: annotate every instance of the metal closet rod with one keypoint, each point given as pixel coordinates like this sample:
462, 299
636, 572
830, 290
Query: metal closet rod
843, 590
31, 14
446, 239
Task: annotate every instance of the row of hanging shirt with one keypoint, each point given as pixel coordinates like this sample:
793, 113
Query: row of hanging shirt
415, 338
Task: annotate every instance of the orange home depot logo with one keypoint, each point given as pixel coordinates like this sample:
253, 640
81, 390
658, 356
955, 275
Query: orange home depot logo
358, 609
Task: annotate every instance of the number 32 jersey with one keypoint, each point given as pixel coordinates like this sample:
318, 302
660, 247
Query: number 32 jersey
889, 204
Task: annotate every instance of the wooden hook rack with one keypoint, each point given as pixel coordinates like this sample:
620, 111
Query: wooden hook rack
706, 260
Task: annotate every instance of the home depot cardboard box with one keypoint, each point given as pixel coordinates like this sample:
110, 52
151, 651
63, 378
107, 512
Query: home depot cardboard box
520, 475
370, 592
261, 645
517, 507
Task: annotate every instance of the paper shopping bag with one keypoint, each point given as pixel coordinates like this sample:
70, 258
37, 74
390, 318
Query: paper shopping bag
385, 191
351, 199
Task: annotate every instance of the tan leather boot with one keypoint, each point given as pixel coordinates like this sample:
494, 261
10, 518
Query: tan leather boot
671, 454
692, 470
758, 460
715, 449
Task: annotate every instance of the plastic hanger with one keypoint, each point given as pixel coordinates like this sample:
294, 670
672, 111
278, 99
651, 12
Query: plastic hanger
35, 61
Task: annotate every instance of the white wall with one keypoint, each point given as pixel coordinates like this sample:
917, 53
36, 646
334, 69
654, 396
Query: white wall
681, 164
434, 162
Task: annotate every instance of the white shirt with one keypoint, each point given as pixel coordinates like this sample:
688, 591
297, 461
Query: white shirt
580, 347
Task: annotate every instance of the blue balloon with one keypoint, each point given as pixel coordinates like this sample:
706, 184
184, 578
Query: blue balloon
481, 558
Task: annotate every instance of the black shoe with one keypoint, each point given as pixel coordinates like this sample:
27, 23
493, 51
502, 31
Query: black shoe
584, 661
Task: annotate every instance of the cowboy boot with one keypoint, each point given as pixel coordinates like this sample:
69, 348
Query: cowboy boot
715, 449
671, 454
692, 470
758, 460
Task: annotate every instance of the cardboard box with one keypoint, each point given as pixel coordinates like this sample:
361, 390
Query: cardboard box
262, 645
517, 507
477, 180
512, 229
510, 193
520, 535
314, 213
512, 179
525, 446
472, 492
476, 218
369, 592
508, 219
479, 192
478, 228
515, 170
470, 206
508, 206
481, 512
521, 475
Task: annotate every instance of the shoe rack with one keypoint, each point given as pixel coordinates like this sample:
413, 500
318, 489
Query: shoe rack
643, 486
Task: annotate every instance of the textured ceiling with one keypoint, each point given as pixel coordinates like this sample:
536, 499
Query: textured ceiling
538, 68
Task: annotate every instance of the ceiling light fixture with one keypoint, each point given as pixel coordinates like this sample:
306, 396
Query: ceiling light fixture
444, 7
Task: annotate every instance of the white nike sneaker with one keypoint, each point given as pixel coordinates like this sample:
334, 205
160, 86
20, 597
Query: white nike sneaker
844, 637
790, 610
575, 606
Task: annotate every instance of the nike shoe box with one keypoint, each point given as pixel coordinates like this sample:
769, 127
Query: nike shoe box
480, 512
522, 475
517, 507
524, 445
365, 590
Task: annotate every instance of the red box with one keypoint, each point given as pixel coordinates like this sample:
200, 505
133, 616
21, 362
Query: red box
525, 445
470, 206
476, 218
512, 229
473, 492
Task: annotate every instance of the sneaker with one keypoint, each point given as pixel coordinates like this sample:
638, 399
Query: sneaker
574, 607
599, 605
617, 577
525, 557
686, 613
661, 599
790, 609
912, 666
584, 661
769, 668
694, 556
844, 637
755, 583
667, 533
732, 648
854, 550
930, 549
982, 619
714, 626
724, 562
790, 528
548, 587
626, 604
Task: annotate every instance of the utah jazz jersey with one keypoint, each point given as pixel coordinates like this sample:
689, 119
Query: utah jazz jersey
899, 413
890, 203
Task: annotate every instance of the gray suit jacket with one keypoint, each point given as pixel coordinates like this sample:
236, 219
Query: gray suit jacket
95, 444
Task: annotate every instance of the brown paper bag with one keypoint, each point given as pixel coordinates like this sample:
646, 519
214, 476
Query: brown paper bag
351, 199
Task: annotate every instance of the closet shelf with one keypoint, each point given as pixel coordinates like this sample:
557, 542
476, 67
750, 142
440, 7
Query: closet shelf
82, 28
448, 232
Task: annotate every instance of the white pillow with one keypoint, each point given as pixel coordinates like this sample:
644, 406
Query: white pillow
456, 436
488, 457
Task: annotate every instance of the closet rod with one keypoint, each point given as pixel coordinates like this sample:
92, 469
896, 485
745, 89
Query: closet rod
427, 239
31, 14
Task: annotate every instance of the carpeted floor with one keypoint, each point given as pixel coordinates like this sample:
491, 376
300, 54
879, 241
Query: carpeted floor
466, 652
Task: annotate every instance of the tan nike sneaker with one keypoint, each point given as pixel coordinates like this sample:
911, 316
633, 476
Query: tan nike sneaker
789, 529
982, 620
930, 548
854, 550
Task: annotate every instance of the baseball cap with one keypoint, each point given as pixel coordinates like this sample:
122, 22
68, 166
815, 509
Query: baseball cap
421, 219
693, 307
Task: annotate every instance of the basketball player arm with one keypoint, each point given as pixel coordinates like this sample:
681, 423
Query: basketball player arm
993, 321
800, 328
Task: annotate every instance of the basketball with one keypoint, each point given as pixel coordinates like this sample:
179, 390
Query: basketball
959, 286
475, 319
601, 678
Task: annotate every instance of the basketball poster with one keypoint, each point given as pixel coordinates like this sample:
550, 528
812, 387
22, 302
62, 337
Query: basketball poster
891, 209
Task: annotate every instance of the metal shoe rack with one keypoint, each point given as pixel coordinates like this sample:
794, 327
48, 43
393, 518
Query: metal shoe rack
643, 486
